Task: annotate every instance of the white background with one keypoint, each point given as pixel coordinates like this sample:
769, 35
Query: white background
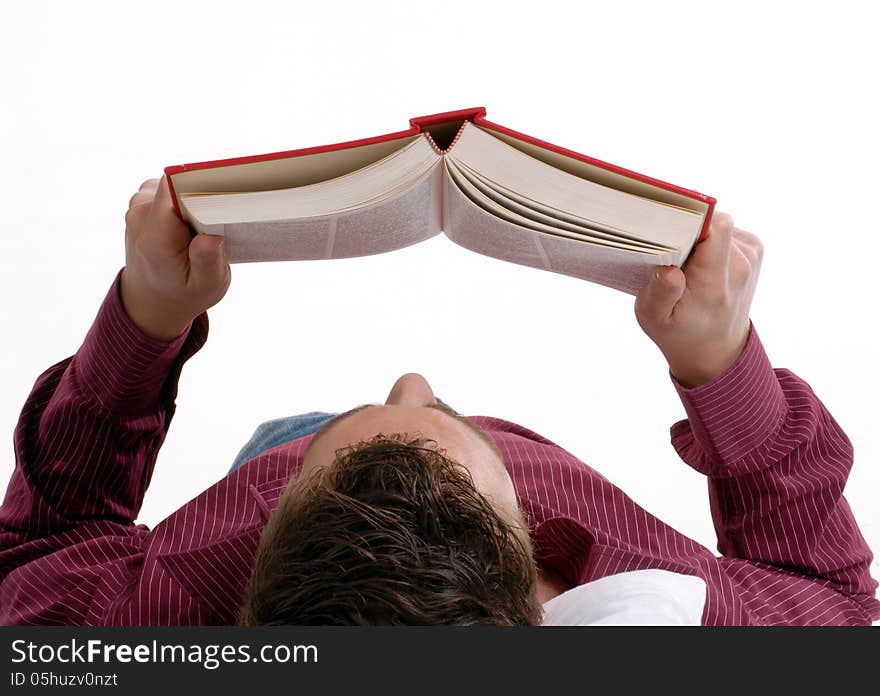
769, 107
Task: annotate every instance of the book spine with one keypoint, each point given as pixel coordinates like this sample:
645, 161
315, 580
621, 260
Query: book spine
436, 147
422, 122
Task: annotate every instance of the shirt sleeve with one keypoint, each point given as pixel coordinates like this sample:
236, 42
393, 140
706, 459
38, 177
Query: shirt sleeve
777, 464
89, 433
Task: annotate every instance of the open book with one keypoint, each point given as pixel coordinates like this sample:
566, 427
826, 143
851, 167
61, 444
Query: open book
487, 188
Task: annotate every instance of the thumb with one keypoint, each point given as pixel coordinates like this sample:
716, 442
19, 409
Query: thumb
657, 299
207, 262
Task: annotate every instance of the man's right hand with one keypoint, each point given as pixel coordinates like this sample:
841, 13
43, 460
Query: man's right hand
170, 277
698, 315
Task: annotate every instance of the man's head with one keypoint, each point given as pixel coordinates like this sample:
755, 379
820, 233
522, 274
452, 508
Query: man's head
402, 514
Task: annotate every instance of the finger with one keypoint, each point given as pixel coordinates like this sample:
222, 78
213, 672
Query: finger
163, 192
140, 198
145, 193
162, 201
714, 251
208, 263
742, 265
751, 241
177, 232
658, 298
742, 246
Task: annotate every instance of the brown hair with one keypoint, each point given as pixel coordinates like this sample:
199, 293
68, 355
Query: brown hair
391, 533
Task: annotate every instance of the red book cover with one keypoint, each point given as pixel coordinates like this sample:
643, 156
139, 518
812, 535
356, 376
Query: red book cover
419, 124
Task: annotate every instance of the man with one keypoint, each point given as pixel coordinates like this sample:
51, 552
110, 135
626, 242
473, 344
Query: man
407, 512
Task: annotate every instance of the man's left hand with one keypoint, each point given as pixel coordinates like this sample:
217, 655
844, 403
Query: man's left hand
698, 315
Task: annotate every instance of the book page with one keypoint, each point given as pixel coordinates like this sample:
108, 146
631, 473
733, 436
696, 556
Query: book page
511, 201
369, 185
600, 175
550, 189
474, 228
279, 171
397, 222
511, 211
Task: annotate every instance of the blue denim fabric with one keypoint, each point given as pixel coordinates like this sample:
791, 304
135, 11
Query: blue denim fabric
275, 432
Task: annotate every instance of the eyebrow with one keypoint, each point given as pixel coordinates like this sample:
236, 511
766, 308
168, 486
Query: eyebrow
438, 406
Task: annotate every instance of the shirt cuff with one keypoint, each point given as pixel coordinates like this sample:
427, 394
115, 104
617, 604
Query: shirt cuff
123, 369
734, 414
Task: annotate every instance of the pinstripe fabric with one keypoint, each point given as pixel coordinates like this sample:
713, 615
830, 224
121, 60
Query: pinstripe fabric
88, 436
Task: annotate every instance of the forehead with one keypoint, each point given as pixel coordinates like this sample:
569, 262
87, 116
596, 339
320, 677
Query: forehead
461, 438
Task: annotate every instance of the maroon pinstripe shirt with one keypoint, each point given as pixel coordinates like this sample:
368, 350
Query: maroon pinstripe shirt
88, 436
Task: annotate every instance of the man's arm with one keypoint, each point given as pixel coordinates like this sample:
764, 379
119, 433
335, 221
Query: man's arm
90, 430
777, 461
89, 433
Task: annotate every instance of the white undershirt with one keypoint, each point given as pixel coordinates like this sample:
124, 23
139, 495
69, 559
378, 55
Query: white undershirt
636, 598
